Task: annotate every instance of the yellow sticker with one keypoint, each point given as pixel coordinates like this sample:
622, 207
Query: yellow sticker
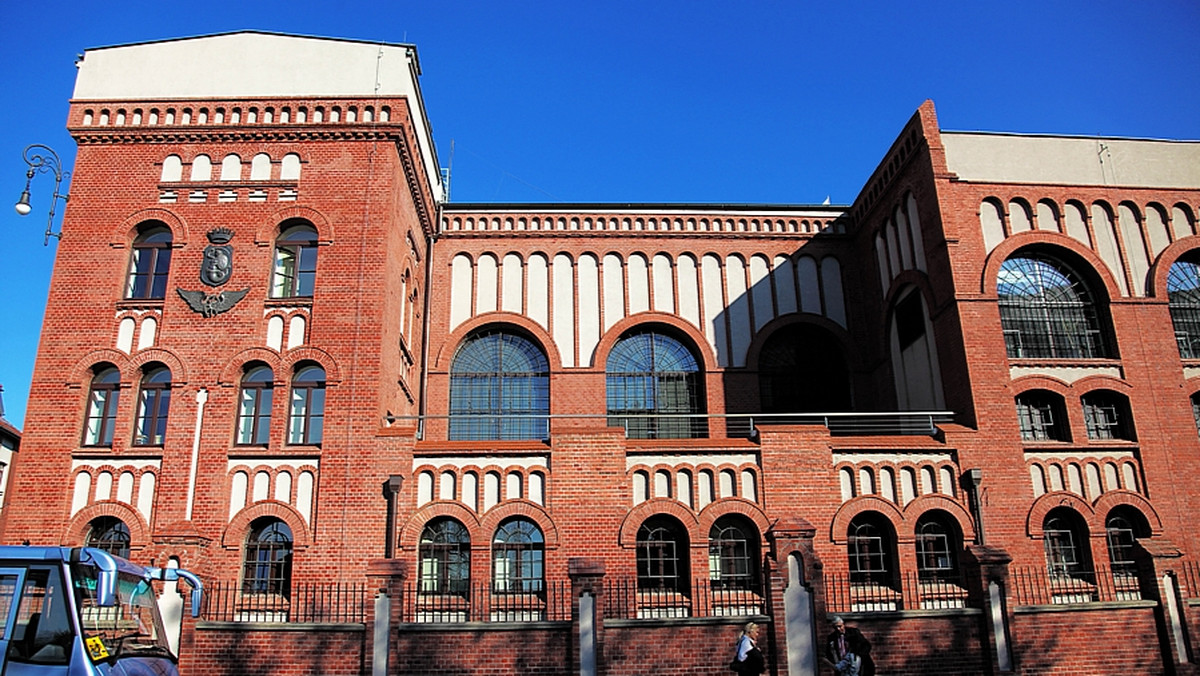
96, 649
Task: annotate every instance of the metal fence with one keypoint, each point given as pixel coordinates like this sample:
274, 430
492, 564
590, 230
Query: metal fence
480, 603
912, 591
704, 598
326, 602
1035, 585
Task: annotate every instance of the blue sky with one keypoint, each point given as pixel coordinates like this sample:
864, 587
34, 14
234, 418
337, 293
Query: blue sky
697, 101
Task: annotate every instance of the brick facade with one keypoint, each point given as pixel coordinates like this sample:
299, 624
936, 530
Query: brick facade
890, 315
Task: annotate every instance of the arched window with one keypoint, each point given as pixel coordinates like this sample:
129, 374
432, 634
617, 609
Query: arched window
445, 555
1041, 415
733, 554
306, 422
154, 402
254, 406
1196, 410
103, 398
801, 369
1183, 299
267, 565
1047, 311
938, 542
295, 271
1064, 538
517, 557
149, 263
110, 534
1107, 416
662, 555
655, 380
871, 545
1121, 529
499, 388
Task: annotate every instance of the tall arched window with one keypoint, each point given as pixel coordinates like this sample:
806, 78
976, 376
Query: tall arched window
110, 534
254, 406
445, 557
518, 550
654, 387
1121, 529
154, 402
938, 542
149, 263
733, 554
499, 388
801, 369
267, 565
103, 398
1107, 415
295, 271
1183, 299
1047, 311
1042, 417
1065, 540
662, 555
306, 422
871, 545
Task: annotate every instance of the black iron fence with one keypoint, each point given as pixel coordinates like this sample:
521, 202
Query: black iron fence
844, 594
325, 602
550, 602
704, 598
1035, 585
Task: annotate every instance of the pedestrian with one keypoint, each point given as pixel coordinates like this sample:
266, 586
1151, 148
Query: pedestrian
748, 659
849, 650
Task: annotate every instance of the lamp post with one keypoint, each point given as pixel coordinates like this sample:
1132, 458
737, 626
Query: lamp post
42, 158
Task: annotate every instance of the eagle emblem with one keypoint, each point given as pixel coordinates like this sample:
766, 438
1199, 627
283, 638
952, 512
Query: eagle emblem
212, 304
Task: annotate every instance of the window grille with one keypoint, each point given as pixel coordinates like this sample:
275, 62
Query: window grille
445, 558
1183, 300
110, 534
649, 374
935, 551
659, 544
1063, 558
517, 558
1046, 312
1120, 537
868, 555
732, 555
499, 389
267, 567
1038, 414
1105, 415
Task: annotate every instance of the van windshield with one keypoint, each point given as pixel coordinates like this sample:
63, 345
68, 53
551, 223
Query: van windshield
131, 627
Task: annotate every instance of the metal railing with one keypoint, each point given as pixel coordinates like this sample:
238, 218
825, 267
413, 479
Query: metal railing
695, 425
319, 602
1035, 585
946, 591
548, 602
704, 598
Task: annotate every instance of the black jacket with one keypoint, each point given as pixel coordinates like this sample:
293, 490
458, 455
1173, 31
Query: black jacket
855, 643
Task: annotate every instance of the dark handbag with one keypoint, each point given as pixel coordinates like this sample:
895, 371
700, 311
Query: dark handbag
735, 665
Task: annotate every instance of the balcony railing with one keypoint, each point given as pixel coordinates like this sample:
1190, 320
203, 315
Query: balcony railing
332, 602
704, 598
736, 425
1035, 585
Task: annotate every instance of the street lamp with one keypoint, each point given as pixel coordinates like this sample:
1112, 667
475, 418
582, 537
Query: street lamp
41, 158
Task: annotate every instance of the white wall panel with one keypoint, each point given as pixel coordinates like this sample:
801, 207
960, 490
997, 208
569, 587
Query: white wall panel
689, 289
639, 284
486, 284
760, 291
784, 274
831, 290
512, 293
564, 308
810, 285
538, 291
738, 310
918, 237
461, 287
1106, 244
589, 307
991, 221
614, 290
664, 285
1135, 247
714, 308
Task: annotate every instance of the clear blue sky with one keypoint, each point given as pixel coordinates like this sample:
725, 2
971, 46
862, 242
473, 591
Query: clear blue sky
645, 101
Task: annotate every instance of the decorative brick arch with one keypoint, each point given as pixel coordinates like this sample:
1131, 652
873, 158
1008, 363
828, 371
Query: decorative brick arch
930, 502
179, 374
235, 533
1101, 382
77, 527
1122, 498
1029, 383
860, 505
268, 229
498, 320
410, 532
839, 333
522, 508
122, 235
1156, 285
627, 535
316, 355
733, 506
699, 344
81, 371
1043, 240
231, 374
1042, 506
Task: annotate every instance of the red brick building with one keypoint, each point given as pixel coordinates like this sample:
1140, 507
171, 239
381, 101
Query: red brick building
401, 435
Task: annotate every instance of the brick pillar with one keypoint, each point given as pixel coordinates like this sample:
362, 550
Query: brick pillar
793, 561
387, 577
985, 572
587, 577
1159, 572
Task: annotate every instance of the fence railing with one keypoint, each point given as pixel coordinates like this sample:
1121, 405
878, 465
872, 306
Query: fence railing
1191, 580
1035, 585
844, 594
479, 602
326, 602
704, 598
